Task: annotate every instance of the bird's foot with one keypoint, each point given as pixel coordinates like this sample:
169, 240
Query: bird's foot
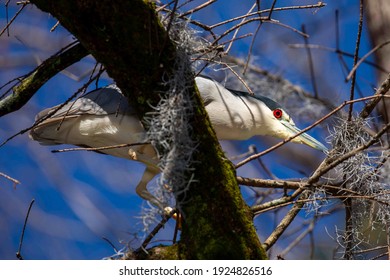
174, 213
133, 154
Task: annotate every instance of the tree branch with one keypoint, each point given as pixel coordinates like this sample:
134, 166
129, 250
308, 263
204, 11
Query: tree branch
29, 85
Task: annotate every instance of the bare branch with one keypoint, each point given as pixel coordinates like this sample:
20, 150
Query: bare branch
380, 92
364, 57
340, 52
308, 230
100, 148
38, 77
355, 59
10, 178
201, 6
24, 4
315, 6
311, 64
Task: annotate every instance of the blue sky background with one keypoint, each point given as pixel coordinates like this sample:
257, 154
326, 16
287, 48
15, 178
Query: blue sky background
81, 197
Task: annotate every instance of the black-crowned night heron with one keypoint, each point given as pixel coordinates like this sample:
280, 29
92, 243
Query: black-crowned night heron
104, 118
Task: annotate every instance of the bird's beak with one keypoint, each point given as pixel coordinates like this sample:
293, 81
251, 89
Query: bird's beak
304, 138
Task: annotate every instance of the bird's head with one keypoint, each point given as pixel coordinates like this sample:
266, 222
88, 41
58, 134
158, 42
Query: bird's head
281, 125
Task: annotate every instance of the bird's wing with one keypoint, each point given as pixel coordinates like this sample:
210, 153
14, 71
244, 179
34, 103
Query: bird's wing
104, 101
89, 120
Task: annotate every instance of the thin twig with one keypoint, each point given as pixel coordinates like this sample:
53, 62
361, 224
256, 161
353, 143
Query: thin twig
16, 182
201, 6
309, 230
13, 18
55, 26
305, 35
251, 47
381, 255
50, 114
236, 31
110, 243
266, 169
159, 226
18, 253
364, 57
84, 89
247, 21
315, 6
250, 91
363, 251
337, 27
286, 201
379, 94
284, 223
100, 148
311, 64
220, 47
355, 59
255, 35
272, 9
249, 152
6, 15
339, 52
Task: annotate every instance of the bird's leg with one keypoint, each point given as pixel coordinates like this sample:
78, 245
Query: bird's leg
141, 189
150, 172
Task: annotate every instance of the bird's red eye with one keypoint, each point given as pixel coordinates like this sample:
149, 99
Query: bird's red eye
278, 113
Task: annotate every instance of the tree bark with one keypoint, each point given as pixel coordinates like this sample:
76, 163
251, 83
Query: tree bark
128, 39
378, 22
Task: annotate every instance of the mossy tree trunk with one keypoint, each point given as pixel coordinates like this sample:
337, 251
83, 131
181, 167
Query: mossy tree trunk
127, 38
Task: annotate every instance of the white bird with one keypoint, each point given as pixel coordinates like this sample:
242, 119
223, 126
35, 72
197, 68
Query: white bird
103, 118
